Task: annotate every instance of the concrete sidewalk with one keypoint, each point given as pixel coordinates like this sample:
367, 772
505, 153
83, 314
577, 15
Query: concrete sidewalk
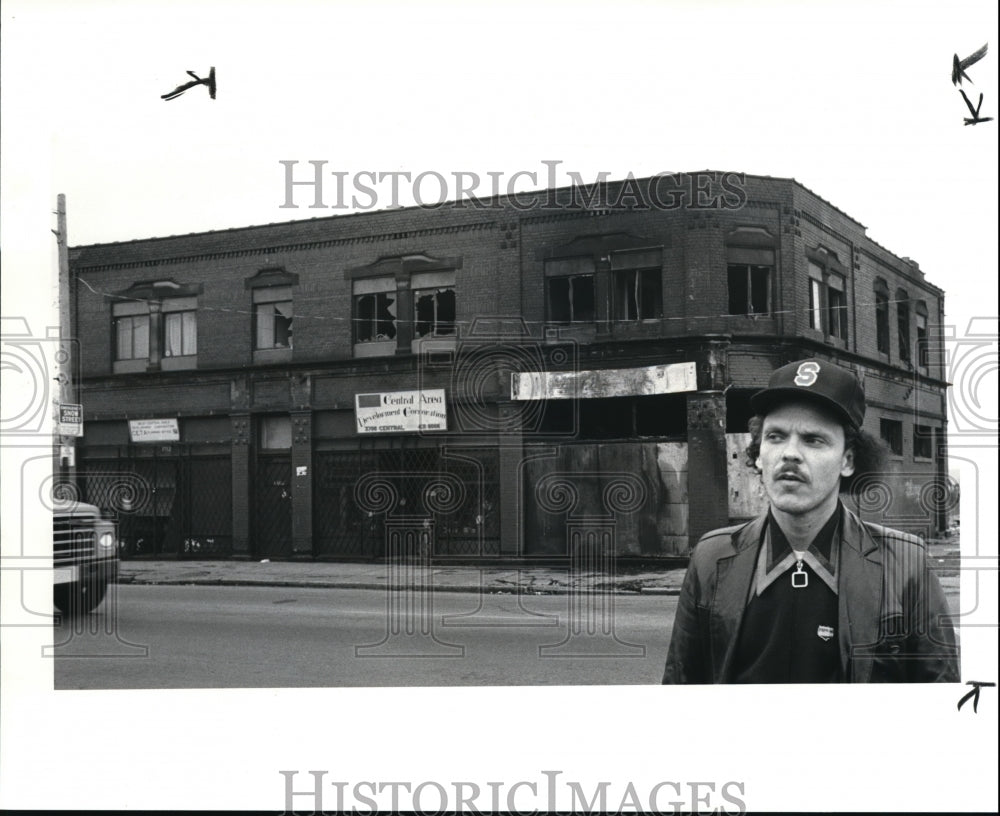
376, 575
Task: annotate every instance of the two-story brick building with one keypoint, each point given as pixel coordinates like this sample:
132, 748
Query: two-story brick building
500, 378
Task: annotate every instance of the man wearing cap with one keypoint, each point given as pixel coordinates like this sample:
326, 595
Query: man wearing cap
807, 592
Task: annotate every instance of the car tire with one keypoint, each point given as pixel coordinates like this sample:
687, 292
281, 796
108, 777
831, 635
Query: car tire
78, 599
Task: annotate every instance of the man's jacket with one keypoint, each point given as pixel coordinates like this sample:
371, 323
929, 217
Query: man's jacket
893, 620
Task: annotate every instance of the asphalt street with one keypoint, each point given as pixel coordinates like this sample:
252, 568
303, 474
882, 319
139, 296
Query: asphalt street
163, 637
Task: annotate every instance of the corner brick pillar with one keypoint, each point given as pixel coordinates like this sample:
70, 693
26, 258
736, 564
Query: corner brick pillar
510, 490
708, 486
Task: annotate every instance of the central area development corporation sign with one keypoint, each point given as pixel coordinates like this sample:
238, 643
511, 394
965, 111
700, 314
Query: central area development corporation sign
401, 411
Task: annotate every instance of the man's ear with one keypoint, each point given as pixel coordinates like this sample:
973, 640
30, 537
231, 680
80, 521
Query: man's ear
847, 469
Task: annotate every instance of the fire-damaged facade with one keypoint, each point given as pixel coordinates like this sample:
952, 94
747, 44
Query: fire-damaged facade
490, 380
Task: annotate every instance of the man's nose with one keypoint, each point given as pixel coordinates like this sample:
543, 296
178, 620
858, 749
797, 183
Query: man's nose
791, 451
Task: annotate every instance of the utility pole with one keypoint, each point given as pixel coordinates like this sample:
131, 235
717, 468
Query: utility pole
66, 357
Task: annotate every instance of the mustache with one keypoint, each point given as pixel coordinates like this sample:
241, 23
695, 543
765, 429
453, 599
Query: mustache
791, 470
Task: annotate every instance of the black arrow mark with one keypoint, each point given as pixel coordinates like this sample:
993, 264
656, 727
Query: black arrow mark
976, 119
958, 66
209, 81
974, 694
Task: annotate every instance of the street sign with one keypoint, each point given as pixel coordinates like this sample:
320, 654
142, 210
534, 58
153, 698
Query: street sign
70, 419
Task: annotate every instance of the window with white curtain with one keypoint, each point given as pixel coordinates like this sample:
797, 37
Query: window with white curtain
180, 327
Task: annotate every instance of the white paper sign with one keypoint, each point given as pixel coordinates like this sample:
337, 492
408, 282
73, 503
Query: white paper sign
401, 411
154, 430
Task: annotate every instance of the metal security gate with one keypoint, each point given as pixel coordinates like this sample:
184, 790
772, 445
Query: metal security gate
167, 502
340, 527
272, 531
629, 497
452, 491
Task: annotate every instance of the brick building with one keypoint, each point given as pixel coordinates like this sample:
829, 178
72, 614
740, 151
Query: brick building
497, 379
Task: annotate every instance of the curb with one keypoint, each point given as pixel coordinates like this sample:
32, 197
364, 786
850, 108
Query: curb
489, 590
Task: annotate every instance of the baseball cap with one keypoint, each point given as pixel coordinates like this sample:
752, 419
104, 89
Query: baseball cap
817, 380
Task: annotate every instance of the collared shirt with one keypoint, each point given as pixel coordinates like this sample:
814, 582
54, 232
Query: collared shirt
789, 628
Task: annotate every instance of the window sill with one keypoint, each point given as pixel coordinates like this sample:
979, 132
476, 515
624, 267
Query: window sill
561, 332
383, 348
275, 355
179, 363
130, 366
432, 344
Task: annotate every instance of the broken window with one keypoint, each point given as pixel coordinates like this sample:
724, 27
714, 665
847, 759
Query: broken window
638, 295
571, 299
272, 318
903, 324
375, 317
274, 325
569, 290
882, 315
891, 431
923, 352
638, 292
749, 289
836, 307
435, 312
923, 442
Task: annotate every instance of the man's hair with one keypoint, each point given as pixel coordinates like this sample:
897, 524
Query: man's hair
869, 454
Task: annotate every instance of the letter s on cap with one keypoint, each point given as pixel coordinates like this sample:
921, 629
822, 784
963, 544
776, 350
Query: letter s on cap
807, 374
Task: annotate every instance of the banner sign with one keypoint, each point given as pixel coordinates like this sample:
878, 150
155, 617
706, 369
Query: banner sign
611, 382
401, 411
